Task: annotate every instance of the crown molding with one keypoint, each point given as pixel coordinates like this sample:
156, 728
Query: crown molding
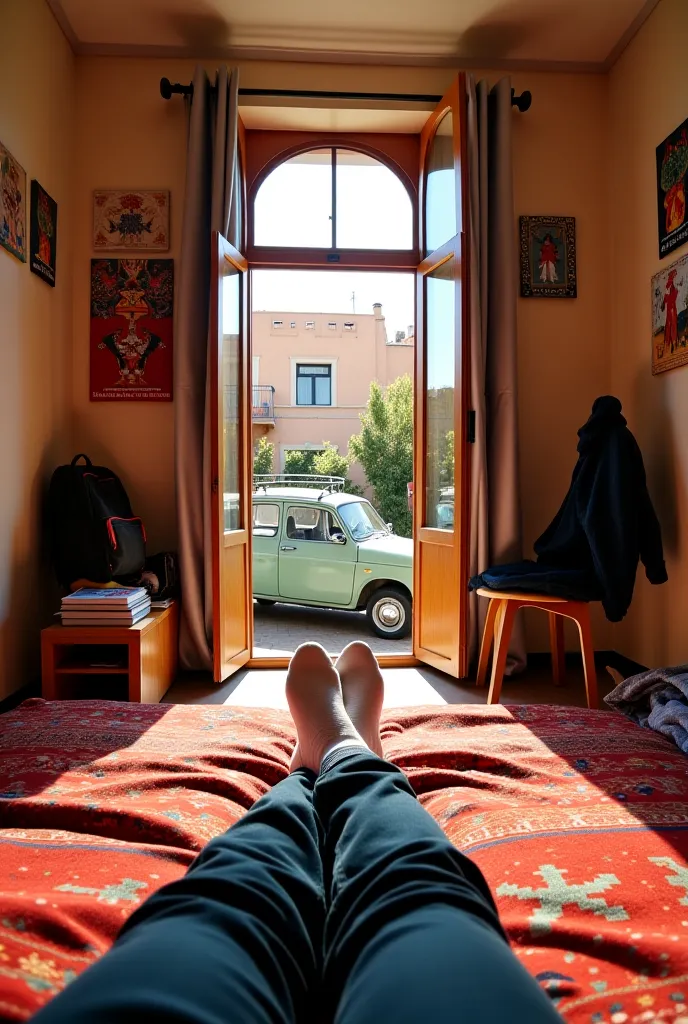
63, 21
630, 33
352, 57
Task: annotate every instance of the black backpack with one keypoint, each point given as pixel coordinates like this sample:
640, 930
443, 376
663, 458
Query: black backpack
95, 535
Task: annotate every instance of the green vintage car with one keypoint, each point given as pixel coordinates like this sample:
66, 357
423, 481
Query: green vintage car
318, 546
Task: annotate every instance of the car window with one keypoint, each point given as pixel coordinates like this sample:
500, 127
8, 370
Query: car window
310, 523
362, 520
265, 520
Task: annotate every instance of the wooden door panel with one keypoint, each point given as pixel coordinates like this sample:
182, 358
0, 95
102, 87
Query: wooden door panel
230, 458
441, 449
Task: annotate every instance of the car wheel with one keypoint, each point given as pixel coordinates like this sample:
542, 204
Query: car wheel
389, 613
265, 602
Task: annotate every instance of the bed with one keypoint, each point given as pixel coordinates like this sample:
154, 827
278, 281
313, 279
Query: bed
578, 818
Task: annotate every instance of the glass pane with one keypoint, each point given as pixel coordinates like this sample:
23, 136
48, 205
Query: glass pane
440, 188
303, 390
265, 520
439, 410
374, 210
293, 206
322, 390
231, 326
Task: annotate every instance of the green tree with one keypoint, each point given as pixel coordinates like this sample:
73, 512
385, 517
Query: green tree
329, 462
447, 460
299, 460
384, 448
264, 456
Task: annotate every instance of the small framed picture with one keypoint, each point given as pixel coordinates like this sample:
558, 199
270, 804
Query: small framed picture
12, 205
43, 234
670, 317
131, 219
548, 257
672, 179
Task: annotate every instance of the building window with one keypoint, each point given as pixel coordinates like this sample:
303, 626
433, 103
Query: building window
278, 323
313, 384
349, 325
292, 324
310, 325
332, 325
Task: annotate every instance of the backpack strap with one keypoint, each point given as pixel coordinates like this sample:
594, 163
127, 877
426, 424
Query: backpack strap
81, 456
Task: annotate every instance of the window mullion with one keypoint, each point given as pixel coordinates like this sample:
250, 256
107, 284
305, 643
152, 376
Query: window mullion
334, 198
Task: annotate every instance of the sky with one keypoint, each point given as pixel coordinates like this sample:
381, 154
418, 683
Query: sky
294, 207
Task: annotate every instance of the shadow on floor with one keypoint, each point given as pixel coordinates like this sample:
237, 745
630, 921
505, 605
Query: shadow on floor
404, 687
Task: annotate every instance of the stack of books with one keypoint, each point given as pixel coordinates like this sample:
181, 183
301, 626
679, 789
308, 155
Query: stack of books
115, 607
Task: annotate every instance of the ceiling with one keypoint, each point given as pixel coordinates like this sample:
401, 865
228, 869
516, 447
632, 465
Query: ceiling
580, 34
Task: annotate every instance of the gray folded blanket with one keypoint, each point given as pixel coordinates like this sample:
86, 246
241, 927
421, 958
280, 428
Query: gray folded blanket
657, 699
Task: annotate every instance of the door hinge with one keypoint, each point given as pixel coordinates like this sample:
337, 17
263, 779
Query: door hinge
470, 433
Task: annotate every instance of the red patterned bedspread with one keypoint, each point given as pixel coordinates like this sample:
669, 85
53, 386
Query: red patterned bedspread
579, 820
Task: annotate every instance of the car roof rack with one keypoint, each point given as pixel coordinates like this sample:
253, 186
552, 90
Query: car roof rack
324, 484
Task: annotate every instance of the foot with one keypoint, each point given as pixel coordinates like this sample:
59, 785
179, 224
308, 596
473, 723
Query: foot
314, 695
363, 688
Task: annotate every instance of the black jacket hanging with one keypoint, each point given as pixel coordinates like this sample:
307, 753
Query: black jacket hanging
606, 524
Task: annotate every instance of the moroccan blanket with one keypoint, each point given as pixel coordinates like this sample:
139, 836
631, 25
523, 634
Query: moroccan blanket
579, 820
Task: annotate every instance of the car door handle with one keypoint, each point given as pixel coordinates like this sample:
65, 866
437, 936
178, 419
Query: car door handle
288, 547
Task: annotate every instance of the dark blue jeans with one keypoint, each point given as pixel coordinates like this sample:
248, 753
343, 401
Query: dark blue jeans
334, 898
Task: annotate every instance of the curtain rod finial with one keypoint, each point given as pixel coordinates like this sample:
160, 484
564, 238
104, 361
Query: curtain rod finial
523, 102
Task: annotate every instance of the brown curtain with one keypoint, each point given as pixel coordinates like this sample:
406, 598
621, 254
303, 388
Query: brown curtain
495, 527
211, 203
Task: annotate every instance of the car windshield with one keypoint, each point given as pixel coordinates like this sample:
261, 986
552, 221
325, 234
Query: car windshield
361, 520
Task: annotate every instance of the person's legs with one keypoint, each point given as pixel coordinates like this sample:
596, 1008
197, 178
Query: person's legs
238, 938
412, 932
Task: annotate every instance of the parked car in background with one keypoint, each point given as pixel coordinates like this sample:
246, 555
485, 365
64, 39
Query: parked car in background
314, 544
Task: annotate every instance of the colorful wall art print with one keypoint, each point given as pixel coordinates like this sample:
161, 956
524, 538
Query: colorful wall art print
548, 257
43, 251
672, 168
12, 205
131, 220
131, 329
670, 317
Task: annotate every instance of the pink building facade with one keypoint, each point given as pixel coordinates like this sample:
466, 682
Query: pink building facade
312, 374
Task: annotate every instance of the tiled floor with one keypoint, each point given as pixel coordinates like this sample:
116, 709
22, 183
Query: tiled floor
280, 628
403, 687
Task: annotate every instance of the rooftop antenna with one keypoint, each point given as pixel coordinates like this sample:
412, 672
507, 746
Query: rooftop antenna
353, 301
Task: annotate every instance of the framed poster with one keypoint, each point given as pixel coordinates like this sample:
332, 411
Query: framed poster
12, 205
131, 330
131, 219
672, 165
548, 257
43, 250
670, 317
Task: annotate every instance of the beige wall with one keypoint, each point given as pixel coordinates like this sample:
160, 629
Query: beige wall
357, 357
127, 136
560, 161
37, 93
648, 99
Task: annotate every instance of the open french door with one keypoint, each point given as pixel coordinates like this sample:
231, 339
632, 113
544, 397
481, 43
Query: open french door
230, 455
441, 456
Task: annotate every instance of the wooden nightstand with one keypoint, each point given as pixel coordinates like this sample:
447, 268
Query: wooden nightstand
77, 661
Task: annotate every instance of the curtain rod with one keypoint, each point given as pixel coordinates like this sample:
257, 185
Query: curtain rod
168, 90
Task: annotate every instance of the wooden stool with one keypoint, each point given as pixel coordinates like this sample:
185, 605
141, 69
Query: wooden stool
499, 622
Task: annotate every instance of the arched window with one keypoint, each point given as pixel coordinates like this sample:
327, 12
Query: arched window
333, 198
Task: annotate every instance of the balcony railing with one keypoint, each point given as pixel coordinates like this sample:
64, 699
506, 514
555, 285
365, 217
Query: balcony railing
263, 403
